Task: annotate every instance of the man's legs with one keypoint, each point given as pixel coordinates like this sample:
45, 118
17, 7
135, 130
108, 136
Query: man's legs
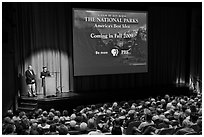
29, 90
33, 89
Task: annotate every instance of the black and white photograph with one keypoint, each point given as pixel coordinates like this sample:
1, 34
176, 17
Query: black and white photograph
101, 68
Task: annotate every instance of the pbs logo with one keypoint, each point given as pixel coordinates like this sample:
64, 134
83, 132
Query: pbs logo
115, 52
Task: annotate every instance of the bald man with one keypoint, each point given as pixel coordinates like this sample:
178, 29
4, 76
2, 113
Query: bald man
30, 81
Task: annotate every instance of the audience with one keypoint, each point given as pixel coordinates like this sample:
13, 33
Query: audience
181, 113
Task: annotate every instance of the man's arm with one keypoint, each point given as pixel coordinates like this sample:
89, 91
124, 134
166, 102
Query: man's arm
33, 73
33, 77
49, 73
41, 75
28, 76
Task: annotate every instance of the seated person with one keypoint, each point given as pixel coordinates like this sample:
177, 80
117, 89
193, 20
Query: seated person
83, 128
148, 121
194, 122
72, 125
63, 130
156, 120
186, 128
52, 130
98, 131
116, 129
91, 124
9, 129
130, 117
165, 124
44, 124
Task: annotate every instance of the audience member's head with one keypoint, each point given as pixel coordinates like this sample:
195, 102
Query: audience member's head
53, 128
62, 120
131, 113
186, 123
40, 130
117, 122
56, 119
155, 118
148, 117
166, 121
73, 116
25, 124
65, 113
72, 123
9, 113
50, 116
34, 126
193, 109
133, 107
52, 110
115, 104
21, 114
184, 107
63, 130
9, 129
193, 118
34, 132
57, 113
176, 115
91, 124
93, 107
43, 119
167, 97
187, 112
161, 117
40, 111
7, 120
44, 113
83, 126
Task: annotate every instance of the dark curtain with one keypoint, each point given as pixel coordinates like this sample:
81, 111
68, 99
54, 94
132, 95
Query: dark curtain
196, 48
9, 73
39, 35
42, 41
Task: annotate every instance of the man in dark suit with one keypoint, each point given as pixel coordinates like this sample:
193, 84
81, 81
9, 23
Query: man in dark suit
43, 74
30, 81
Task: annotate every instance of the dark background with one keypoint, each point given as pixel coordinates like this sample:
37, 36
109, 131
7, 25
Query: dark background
174, 45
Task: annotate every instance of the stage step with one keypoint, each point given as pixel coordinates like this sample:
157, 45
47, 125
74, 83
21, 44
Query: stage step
26, 109
27, 103
28, 100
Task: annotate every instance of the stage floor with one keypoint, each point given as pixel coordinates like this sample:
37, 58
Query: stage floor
59, 96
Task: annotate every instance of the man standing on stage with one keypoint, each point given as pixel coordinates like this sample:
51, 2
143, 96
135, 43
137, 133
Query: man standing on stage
43, 74
30, 81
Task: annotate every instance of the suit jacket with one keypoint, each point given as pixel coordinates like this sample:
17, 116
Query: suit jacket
45, 74
30, 77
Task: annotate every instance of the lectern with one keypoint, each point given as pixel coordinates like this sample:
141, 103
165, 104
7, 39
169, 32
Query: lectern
50, 86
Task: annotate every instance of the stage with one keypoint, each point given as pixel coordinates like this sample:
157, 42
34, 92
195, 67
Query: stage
70, 100
59, 96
